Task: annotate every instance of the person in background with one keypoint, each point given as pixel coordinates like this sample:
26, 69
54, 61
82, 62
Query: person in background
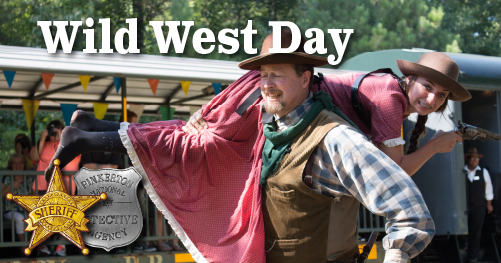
17, 186
169, 245
22, 145
131, 117
42, 154
479, 195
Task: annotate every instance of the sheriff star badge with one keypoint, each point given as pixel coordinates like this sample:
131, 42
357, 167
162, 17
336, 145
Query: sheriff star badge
56, 212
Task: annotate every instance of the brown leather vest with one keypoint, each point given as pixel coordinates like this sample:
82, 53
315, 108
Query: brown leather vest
302, 225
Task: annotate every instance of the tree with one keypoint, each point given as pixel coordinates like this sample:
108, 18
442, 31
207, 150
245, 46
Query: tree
379, 25
477, 21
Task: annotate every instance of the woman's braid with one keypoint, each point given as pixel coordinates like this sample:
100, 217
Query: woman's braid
419, 129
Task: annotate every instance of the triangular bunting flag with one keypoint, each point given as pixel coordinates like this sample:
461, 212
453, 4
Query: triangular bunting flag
137, 109
194, 109
9, 76
186, 86
84, 80
100, 110
47, 79
167, 113
68, 110
217, 87
153, 85
118, 83
30, 110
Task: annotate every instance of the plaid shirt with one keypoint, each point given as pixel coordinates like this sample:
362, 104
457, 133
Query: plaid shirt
345, 163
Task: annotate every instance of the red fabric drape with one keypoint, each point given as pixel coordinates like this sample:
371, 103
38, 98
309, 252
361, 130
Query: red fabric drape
207, 185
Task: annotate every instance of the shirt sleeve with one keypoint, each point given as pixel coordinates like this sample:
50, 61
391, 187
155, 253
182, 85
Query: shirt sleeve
489, 192
361, 170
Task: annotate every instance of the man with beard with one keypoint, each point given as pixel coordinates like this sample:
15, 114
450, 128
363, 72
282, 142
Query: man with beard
317, 167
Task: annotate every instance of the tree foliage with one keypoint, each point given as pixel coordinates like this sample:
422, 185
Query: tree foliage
467, 25
478, 22
471, 26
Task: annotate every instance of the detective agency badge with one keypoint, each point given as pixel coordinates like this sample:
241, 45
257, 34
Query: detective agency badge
118, 221
56, 212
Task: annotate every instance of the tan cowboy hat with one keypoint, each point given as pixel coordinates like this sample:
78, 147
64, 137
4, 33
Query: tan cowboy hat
296, 57
438, 68
473, 152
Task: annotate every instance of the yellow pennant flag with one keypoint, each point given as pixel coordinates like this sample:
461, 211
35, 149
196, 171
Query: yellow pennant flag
100, 110
30, 110
84, 80
186, 86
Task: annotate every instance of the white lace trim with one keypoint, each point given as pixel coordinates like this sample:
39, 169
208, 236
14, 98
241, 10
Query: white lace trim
394, 142
195, 253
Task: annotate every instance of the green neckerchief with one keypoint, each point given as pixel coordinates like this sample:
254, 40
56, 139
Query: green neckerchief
277, 144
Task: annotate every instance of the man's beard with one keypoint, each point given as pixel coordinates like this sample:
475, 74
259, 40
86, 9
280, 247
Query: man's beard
273, 107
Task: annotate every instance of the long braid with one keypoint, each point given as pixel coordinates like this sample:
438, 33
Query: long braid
418, 131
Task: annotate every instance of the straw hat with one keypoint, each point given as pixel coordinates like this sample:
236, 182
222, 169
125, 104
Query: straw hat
438, 68
473, 152
296, 57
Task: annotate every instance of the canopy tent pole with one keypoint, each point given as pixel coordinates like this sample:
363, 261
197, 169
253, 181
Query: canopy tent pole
33, 135
124, 112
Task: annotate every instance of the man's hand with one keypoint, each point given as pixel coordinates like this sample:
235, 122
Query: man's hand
196, 124
489, 207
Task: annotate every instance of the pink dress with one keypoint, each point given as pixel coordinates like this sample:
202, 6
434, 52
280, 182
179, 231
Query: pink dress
207, 185
46, 155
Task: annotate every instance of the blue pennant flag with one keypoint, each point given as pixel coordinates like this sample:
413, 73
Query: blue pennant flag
217, 87
68, 110
118, 83
9, 76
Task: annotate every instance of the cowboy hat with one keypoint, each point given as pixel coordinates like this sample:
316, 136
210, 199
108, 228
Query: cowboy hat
438, 68
296, 57
473, 152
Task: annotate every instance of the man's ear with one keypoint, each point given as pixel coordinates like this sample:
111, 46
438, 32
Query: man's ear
306, 79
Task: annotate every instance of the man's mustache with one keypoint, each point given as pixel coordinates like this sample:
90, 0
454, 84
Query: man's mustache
268, 92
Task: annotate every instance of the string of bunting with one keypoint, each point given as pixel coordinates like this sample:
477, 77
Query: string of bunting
68, 110
31, 106
85, 79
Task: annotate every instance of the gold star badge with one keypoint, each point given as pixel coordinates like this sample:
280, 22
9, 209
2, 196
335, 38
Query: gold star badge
56, 212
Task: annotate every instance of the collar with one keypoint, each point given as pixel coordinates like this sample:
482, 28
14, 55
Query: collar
291, 118
476, 168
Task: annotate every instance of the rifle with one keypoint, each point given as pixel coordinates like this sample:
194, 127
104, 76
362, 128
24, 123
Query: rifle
469, 132
367, 248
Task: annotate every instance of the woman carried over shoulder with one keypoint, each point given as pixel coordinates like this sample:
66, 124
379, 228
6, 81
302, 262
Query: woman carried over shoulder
387, 100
